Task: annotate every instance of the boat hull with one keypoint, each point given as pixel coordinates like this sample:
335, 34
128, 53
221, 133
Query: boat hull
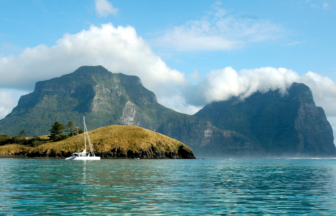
83, 158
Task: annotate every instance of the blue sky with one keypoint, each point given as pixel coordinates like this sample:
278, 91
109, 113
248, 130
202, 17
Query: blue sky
307, 43
210, 46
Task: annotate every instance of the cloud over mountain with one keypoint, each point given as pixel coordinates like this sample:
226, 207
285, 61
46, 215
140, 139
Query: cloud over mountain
324, 91
120, 49
224, 83
8, 100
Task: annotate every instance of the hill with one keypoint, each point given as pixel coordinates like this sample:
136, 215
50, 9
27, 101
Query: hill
287, 125
106, 98
110, 142
267, 124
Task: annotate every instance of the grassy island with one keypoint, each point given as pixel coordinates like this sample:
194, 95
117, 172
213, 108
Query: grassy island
116, 141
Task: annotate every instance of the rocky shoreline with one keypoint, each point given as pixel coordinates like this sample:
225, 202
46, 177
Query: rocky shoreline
114, 142
182, 153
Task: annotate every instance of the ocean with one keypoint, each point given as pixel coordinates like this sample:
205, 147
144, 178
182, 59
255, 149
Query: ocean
168, 187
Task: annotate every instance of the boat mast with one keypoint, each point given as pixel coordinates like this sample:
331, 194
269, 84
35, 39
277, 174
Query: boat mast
84, 134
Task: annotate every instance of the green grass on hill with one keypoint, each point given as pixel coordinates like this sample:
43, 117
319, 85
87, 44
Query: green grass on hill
125, 138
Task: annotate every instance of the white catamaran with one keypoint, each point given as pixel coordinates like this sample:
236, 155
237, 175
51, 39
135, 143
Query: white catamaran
84, 155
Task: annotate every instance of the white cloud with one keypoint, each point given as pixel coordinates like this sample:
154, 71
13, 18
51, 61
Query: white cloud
172, 97
325, 6
8, 100
218, 31
195, 75
105, 8
9, 49
324, 91
219, 85
119, 49
314, 6
293, 43
224, 83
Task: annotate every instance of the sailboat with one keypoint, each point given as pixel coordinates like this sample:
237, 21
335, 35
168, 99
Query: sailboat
84, 155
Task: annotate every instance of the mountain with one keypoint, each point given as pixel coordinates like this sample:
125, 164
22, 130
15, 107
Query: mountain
106, 98
281, 124
91, 91
115, 141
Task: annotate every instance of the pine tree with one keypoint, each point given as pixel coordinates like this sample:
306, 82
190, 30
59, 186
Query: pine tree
71, 128
22, 134
56, 131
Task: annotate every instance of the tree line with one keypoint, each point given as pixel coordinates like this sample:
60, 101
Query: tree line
58, 132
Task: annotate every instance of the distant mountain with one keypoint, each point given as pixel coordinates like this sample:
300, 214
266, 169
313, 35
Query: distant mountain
288, 125
106, 98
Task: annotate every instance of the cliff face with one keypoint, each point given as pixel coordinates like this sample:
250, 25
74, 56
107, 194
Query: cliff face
315, 132
98, 94
204, 138
265, 124
281, 125
105, 98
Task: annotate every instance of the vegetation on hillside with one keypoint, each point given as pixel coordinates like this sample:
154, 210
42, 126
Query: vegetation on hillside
72, 97
116, 138
271, 120
56, 134
101, 96
263, 124
56, 131
25, 141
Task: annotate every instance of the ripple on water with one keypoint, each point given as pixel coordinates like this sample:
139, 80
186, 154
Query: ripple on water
212, 186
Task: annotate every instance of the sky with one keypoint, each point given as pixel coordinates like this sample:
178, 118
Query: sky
189, 53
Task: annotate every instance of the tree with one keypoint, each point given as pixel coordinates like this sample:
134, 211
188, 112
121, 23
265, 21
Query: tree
22, 134
56, 131
4, 139
79, 130
71, 128
19, 139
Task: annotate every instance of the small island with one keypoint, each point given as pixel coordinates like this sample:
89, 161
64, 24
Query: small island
116, 141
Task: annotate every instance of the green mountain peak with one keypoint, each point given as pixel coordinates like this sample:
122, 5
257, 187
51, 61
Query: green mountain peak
280, 123
268, 124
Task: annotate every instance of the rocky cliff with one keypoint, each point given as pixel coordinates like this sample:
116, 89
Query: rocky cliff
281, 124
106, 98
103, 97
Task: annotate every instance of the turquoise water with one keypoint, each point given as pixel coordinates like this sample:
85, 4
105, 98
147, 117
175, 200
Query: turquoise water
172, 187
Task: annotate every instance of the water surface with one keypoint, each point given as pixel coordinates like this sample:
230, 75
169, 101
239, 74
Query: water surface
166, 187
